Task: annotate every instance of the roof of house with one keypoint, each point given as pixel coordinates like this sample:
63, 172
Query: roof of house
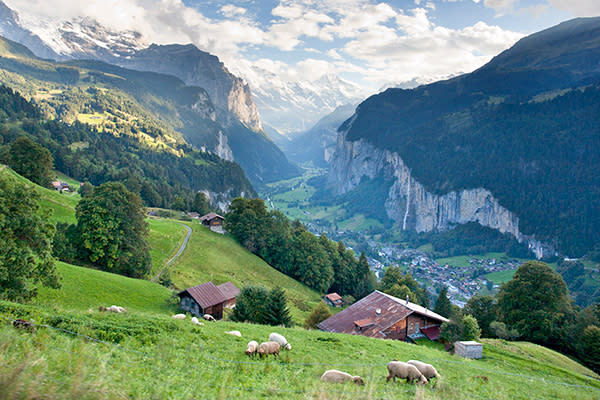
206, 295
229, 290
210, 216
379, 308
432, 332
333, 297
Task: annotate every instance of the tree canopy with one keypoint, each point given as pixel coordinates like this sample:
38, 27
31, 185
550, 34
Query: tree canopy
26, 237
112, 231
262, 306
535, 302
442, 304
31, 160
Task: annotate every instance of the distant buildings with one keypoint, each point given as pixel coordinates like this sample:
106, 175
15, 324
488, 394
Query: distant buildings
213, 221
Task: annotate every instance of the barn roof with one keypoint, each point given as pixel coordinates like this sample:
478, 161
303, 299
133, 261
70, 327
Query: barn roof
210, 216
229, 290
373, 314
206, 295
333, 297
432, 332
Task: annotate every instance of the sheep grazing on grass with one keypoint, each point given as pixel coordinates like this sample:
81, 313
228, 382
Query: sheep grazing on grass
427, 370
178, 316
209, 317
195, 321
115, 309
335, 376
234, 333
276, 337
267, 348
402, 370
252, 348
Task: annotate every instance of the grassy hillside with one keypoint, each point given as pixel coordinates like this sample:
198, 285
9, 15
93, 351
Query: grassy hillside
158, 357
86, 289
211, 256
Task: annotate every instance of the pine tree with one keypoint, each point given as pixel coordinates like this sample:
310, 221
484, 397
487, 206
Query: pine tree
442, 304
276, 310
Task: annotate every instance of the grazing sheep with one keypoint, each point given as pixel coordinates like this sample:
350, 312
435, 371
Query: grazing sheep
208, 317
102, 309
195, 321
178, 316
276, 337
115, 309
402, 370
267, 348
252, 348
234, 333
427, 370
335, 376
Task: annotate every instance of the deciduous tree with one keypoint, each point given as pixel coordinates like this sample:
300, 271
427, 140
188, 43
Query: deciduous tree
26, 242
112, 230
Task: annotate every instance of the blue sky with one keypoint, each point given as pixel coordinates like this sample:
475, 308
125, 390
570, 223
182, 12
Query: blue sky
370, 43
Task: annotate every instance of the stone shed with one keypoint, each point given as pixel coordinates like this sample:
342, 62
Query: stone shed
468, 349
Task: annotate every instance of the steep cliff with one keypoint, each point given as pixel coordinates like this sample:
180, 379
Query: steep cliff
412, 206
199, 68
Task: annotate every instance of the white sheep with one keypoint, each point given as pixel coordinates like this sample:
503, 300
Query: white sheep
195, 321
427, 370
234, 333
252, 348
208, 317
276, 337
115, 309
402, 370
178, 316
267, 348
335, 376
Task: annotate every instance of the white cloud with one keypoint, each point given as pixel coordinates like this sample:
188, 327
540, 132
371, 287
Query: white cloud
501, 6
231, 11
578, 8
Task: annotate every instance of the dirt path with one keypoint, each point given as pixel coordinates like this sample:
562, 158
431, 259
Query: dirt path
181, 249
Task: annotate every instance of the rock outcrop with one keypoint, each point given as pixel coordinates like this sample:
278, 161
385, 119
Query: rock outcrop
411, 205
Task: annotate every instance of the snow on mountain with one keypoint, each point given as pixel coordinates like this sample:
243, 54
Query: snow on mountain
293, 106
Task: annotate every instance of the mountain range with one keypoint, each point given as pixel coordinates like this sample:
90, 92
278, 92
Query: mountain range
512, 145
240, 136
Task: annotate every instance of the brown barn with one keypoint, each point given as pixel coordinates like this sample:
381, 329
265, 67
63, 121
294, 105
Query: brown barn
383, 316
203, 299
230, 292
213, 221
333, 300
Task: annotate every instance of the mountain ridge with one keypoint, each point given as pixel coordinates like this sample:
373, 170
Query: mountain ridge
482, 130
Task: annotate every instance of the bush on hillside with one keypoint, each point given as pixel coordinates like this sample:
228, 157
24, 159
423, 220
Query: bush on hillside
319, 313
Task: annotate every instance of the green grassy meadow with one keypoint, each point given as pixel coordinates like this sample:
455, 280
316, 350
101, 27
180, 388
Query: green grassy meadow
86, 289
155, 357
165, 239
500, 277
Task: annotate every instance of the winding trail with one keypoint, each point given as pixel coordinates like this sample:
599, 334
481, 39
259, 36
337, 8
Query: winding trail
181, 249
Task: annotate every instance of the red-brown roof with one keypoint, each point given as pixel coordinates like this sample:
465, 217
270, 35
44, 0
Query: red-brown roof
206, 295
333, 297
432, 332
229, 290
380, 308
363, 323
210, 216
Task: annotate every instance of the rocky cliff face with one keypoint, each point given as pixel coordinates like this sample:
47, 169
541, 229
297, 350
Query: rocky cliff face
410, 205
198, 68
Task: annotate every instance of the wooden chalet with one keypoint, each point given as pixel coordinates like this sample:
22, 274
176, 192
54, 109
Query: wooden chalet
383, 316
230, 292
213, 221
203, 299
333, 300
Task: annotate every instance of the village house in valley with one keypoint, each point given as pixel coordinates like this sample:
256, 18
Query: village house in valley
213, 221
208, 299
383, 316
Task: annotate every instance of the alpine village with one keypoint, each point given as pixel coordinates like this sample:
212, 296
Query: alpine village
367, 199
